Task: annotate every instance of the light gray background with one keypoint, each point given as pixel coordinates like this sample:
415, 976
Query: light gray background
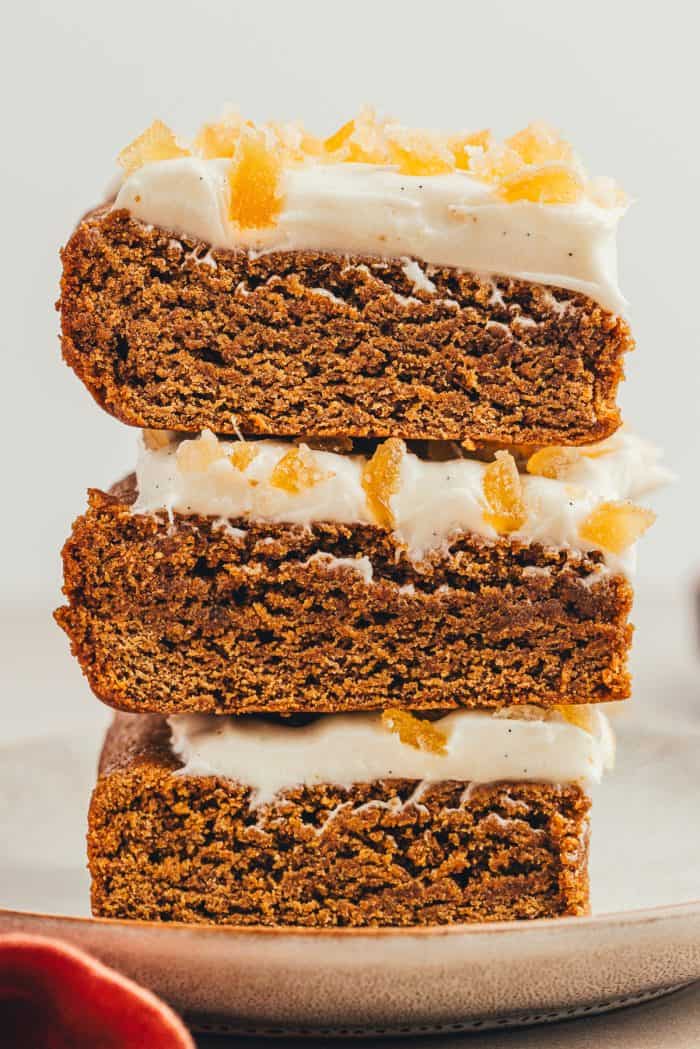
79, 78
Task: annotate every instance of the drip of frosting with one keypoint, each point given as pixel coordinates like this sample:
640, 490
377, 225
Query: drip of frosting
480, 747
453, 219
434, 500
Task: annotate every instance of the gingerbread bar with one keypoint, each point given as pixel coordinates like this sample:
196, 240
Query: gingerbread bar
383, 283
267, 576
256, 821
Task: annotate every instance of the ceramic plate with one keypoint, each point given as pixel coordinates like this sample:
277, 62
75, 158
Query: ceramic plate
643, 938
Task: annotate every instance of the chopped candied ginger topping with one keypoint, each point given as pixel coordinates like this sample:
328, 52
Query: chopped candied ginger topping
335, 142
419, 152
220, 138
578, 714
544, 184
536, 164
296, 143
298, 470
554, 462
415, 732
380, 479
463, 147
254, 181
557, 462
157, 142
540, 144
496, 163
157, 440
616, 526
504, 495
242, 455
359, 141
198, 455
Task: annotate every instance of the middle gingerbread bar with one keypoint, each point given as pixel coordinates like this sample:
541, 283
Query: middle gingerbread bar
266, 576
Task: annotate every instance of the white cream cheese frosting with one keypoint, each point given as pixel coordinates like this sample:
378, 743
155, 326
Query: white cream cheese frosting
480, 747
434, 500
453, 219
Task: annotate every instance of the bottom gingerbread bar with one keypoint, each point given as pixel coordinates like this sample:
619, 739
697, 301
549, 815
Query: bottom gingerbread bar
345, 819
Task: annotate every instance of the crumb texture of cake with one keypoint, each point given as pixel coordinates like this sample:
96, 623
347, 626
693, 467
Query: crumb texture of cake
167, 845
168, 333
232, 616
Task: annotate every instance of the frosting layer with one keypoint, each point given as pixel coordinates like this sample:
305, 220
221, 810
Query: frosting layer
356, 748
433, 500
452, 219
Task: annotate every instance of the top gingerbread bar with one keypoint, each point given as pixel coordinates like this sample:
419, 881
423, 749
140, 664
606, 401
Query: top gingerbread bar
383, 282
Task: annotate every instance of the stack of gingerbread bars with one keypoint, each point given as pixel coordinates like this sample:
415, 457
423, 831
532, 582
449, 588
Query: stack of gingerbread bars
360, 601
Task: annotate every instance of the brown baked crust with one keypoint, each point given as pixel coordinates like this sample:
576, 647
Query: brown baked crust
165, 341
186, 615
183, 848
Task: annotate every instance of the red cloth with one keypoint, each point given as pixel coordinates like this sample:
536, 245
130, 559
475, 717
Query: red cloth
53, 996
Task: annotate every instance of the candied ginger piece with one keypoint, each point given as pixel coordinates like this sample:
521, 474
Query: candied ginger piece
539, 143
157, 440
419, 152
359, 141
311, 145
197, 455
254, 177
615, 526
464, 146
220, 138
578, 714
298, 470
496, 163
338, 139
415, 732
242, 455
554, 461
551, 183
157, 142
380, 479
503, 493
296, 143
